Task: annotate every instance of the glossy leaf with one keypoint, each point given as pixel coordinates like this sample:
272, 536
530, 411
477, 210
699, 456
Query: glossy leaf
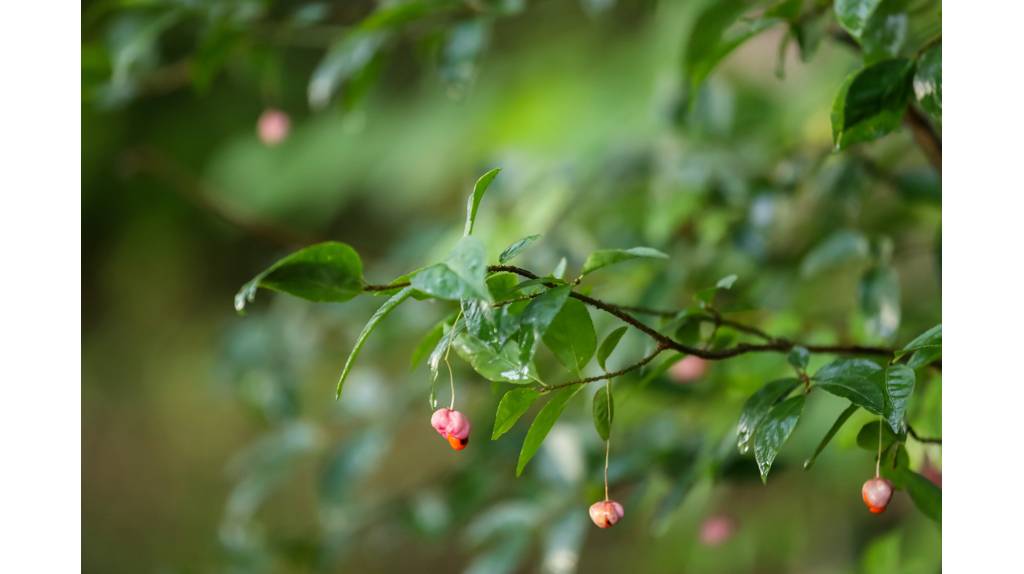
381, 312
571, 336
839, 248
609, 344
757, 407
546, 419
477, 196
773, 432
604, 411
858, 380
899, 385
606, 257
503, 285
329, 271
516, 248
926, 347
838, 424
498, 366
853, 15
871, 102
512, 406
879, 294
928, 81
461, 276
537, 318
886, 31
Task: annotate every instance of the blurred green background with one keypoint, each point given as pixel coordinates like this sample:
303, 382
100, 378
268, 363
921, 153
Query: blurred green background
212, 442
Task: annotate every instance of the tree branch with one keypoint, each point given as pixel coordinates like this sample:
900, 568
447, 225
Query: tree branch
609, 375
914, 434
771, 344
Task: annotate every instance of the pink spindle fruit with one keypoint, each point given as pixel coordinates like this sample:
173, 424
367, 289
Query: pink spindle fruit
876, 493
606, 513
273, 126
453, 426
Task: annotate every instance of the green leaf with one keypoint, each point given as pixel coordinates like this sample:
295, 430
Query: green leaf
461, 276
441, 350
502, 285
329, 271
899, 385
871, 102
542, 425
926, 496
840, 421
799, 357
774, 431
381, 312
538, 316
344, 60
727, 282
716, 32
853, 15
498, 366
886, 31
867, 437
757, 407
543, 309
928, 81
516, 248
608, 345
924, 357
559, 271
571, 336
606, 257
427, 343
879, 292
839, 248
930, 340
477, 196
512, 406
858, 380
604, 411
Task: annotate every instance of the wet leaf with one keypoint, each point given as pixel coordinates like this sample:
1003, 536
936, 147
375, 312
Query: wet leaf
774, 431
329, 271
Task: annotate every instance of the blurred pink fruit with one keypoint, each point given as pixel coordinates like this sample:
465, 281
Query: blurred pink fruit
716, 530
605, 513
689, 369
932, 472
273, 126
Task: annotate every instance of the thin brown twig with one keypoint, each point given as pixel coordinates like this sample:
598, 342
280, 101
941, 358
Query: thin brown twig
771, 344
921, 439
609, 375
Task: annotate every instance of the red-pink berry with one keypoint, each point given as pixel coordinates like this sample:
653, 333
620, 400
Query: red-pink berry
689, 369
876, 493
716, 530
273, 126
453, 426
606, 513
